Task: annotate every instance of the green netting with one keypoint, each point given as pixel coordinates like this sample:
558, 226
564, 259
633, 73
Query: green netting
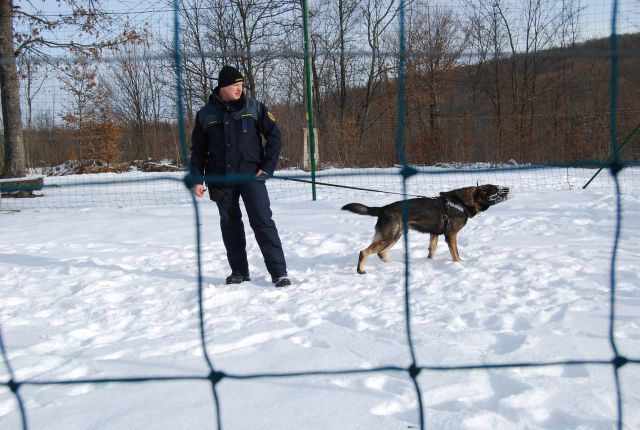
407, 178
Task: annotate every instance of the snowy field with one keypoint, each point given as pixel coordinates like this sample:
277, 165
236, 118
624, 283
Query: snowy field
95, 290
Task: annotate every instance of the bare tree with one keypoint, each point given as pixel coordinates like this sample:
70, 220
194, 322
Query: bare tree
435, 42
136, 83
34, 75
529, 30
337, 28
89, 112
486, 38
14, 154
198, 66
343, 19
80, 80
246, 32
87, 17
564, 107
378, 16
241, 33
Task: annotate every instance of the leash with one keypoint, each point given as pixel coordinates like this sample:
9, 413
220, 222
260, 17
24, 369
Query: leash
344, 186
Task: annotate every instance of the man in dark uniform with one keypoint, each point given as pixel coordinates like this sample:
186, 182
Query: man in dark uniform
227, 140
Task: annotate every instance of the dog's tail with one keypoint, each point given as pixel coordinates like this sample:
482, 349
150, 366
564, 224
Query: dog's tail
361, 209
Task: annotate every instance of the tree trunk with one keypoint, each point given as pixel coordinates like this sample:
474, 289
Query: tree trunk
14, 156
342, 102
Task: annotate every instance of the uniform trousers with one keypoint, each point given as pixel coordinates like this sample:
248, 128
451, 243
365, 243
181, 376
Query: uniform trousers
257, 205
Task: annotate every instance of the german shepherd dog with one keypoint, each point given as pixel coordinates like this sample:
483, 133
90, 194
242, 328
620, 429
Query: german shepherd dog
446, 214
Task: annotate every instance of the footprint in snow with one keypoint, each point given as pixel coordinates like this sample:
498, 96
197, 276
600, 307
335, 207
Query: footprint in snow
507, 343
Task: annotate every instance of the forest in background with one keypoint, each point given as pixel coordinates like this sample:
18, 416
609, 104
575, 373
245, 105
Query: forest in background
490, 82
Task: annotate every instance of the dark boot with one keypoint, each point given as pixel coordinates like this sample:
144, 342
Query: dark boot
235, 278
282, 281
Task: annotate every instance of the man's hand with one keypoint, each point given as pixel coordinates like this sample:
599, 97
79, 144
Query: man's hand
198, 190
261, 175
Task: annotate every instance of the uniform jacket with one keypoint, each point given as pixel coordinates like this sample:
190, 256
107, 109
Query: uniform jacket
226, 138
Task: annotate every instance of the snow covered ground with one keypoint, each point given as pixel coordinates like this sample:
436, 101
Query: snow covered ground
99, 291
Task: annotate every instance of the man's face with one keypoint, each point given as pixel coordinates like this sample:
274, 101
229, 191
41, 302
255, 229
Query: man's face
231, 92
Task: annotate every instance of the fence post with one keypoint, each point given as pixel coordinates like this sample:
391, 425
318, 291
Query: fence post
307, 156
307, 72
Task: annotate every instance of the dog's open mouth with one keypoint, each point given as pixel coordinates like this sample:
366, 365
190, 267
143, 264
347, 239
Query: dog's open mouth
503, 193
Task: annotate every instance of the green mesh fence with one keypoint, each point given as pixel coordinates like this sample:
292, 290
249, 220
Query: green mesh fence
404, 179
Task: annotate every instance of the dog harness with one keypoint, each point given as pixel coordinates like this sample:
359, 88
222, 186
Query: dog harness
459, 211
460, 208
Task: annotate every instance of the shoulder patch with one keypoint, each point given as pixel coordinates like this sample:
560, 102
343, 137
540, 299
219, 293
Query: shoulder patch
271, 117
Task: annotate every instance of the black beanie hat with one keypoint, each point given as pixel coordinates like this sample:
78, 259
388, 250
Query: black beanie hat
229, 76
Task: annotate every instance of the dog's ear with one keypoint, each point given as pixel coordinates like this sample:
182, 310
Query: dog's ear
470, 200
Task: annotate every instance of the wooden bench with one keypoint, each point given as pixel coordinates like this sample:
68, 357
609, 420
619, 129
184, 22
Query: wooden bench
21, 187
